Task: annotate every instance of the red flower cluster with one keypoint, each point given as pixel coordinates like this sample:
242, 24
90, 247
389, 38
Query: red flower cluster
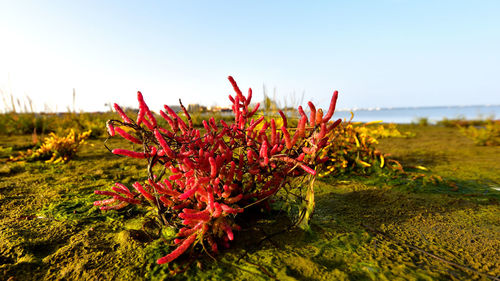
217, 172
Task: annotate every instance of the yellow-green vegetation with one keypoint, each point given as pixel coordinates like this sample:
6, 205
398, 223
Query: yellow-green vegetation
365, 227
462, 122
487, 134
447, 153
55, 149
379, 131
353, 148
59, 123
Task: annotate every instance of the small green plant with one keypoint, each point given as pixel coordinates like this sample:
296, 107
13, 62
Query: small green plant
486, 135
351, 149
381, 131
462, 122
423, 121
55, 149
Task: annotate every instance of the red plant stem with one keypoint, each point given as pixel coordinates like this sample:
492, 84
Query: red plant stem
164, 144
334, 125
127, 136
229, 231
319, 116
146, 110
302, 113
227, 209
104, 202
129, 153
123, 191
308, 150
312, 116
235, 86
189, 231
212, 123
262, 133
300, 131
188, 193
128, 200
173, 125
175, 177
122, 114
140, 189
273, 132
166, 202
234, 199
274, 149
140, 116
180, 206
176, 117
302, 126
206, 126
286, 135
322, 133
111, 128
307, 169
301, 157
114, 207
186, 113
218, 210
333, 103
249, 97
178, 251
255, 123
283, 117
301, 165
213, 167
148, 124
201, 216
254, 110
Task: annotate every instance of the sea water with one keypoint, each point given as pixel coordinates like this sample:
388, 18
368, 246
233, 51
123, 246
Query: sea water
406, 115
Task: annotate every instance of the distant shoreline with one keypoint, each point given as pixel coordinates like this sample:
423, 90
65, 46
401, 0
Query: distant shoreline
413, 107
406, 115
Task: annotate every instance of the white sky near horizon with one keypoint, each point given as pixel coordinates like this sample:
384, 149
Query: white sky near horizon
383, 53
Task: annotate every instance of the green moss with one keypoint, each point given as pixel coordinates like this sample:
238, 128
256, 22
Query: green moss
364, 227
446, 152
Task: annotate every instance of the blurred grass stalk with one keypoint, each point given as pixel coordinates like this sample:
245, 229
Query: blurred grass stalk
18, 117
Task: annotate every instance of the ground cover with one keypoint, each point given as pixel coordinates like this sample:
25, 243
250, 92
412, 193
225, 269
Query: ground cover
365, 227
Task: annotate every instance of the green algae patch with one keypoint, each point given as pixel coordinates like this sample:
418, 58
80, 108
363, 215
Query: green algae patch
446, 152
365, 227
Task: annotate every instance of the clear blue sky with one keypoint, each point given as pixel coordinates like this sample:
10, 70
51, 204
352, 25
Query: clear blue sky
377, 53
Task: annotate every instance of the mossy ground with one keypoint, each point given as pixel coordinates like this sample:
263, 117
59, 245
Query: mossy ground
364, 228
